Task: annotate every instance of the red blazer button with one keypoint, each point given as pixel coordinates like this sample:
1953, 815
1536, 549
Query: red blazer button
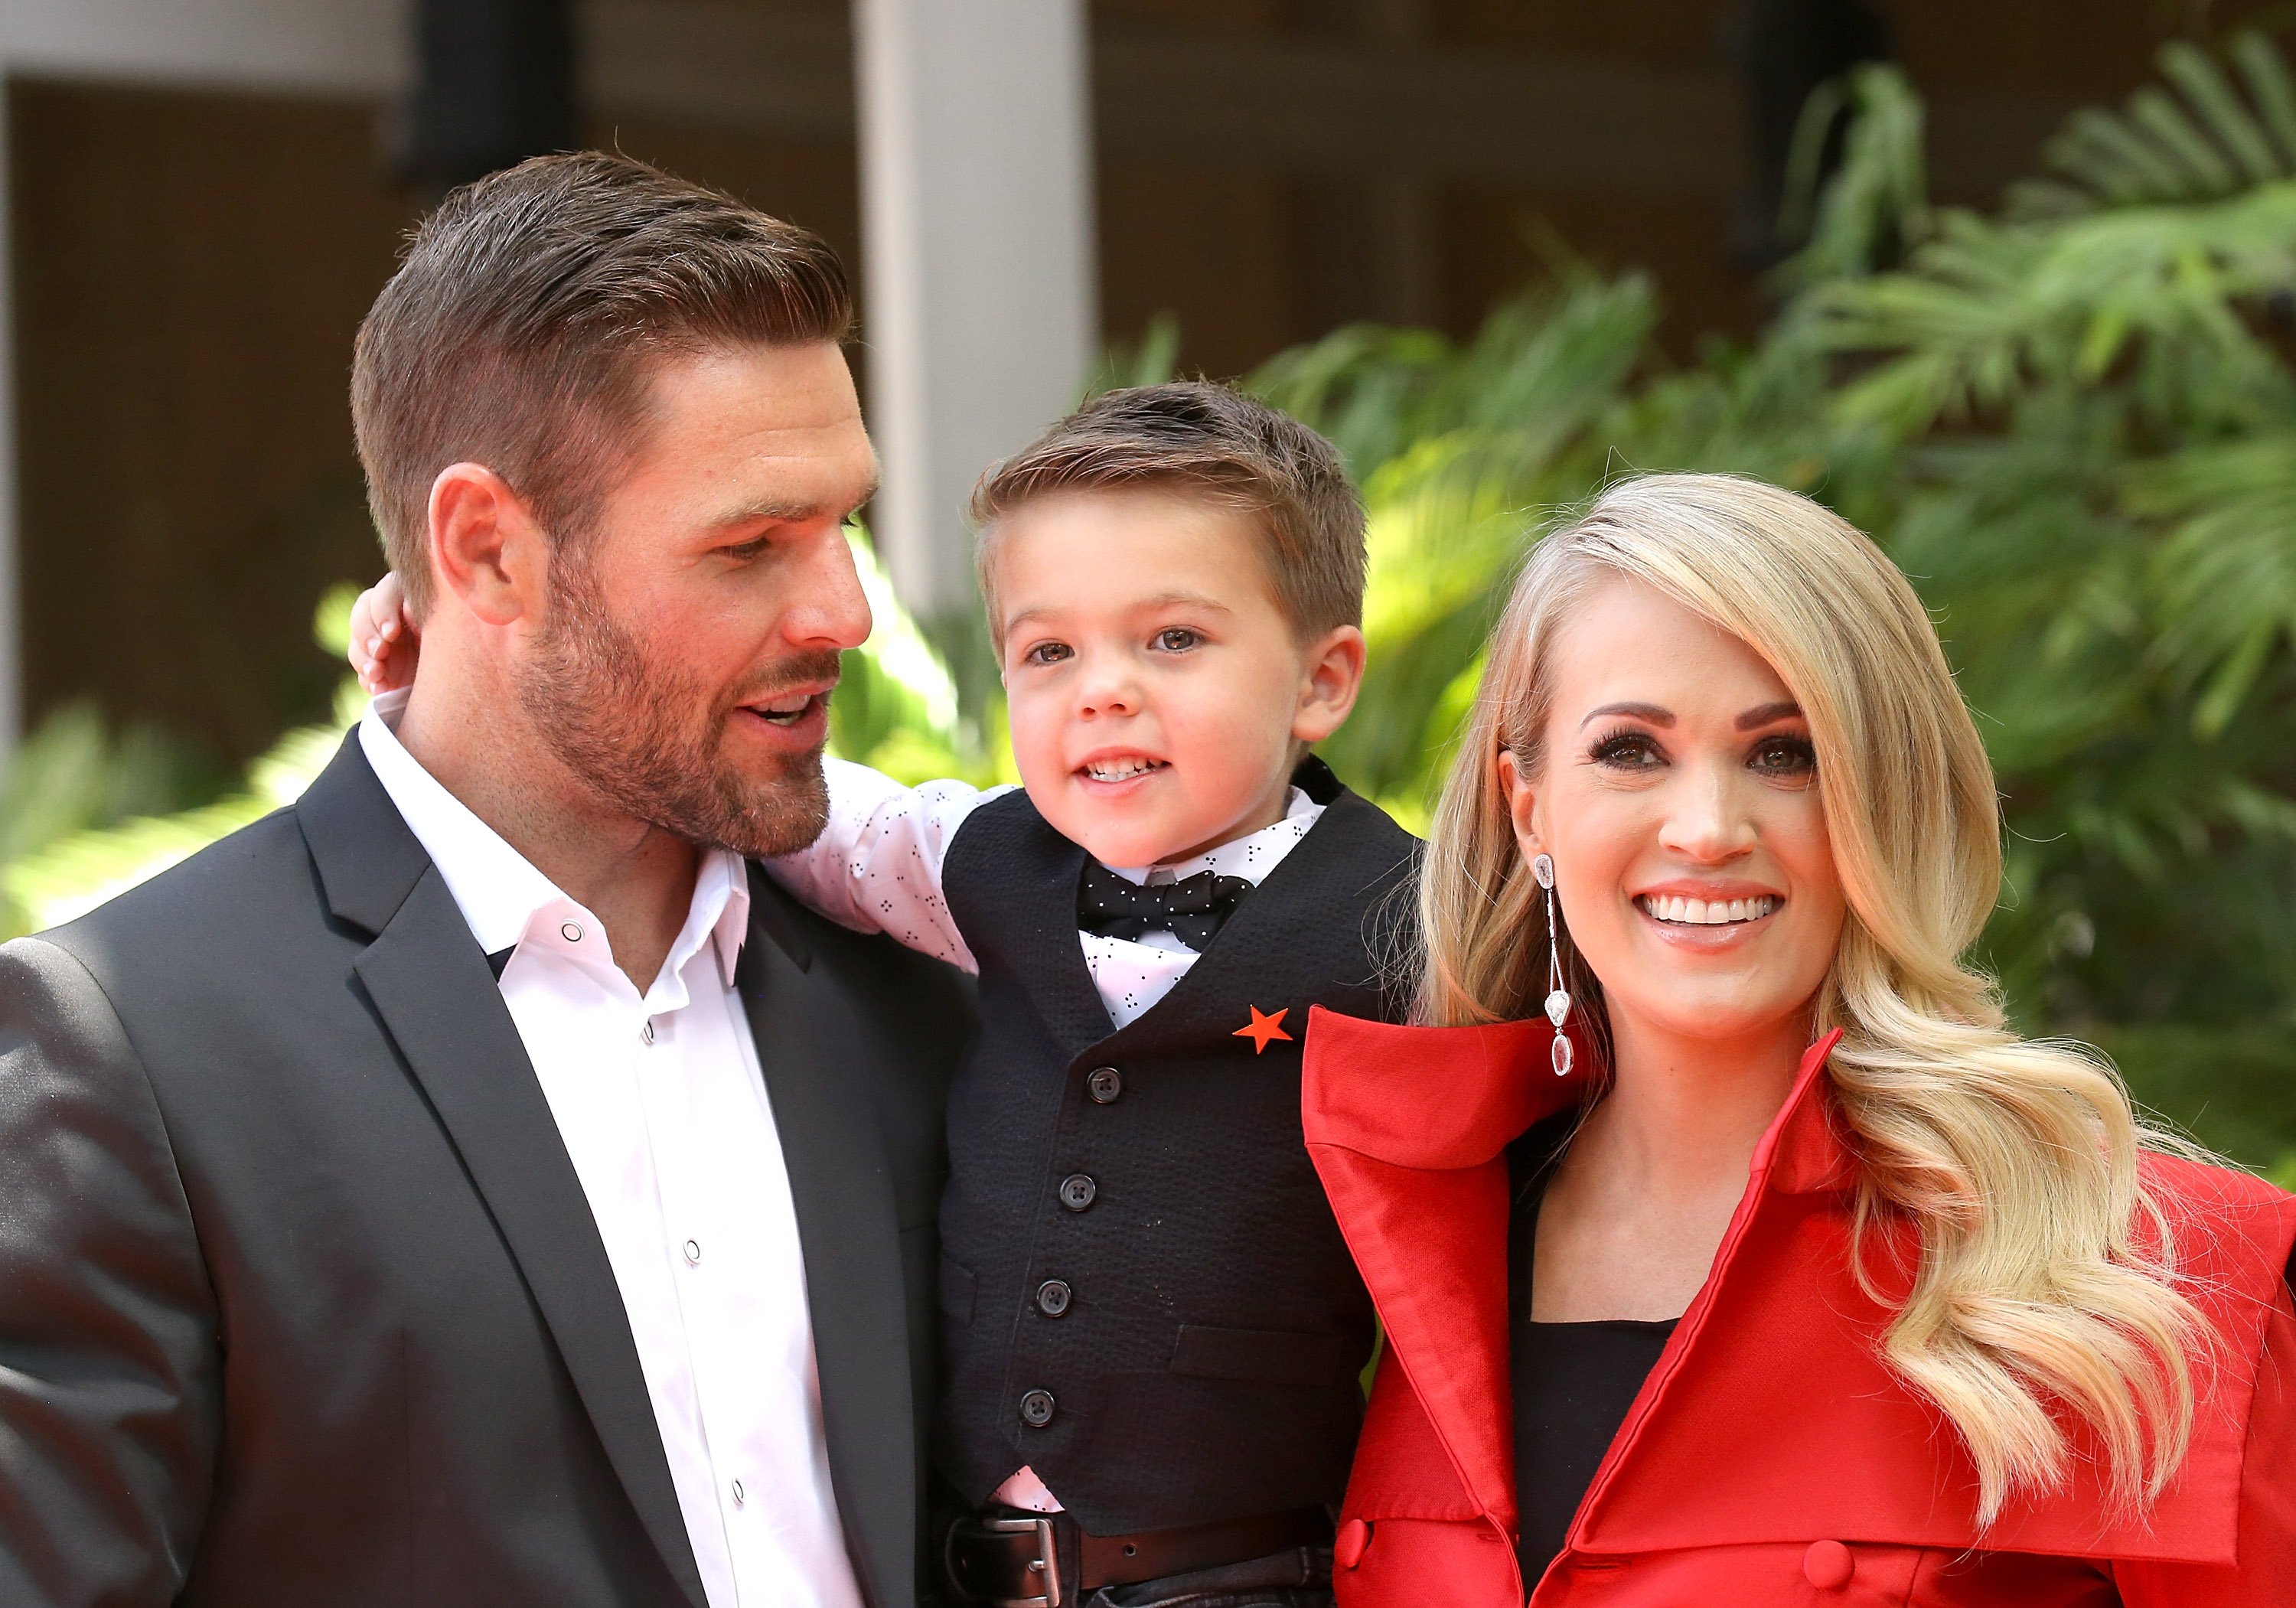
1828, 1565
1347, 1546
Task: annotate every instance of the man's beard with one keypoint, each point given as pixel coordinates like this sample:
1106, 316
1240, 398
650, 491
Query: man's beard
650, 740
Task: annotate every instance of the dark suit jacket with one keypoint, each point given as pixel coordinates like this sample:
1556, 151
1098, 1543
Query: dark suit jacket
300, 1299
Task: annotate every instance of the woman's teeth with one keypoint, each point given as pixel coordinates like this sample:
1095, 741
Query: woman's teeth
1120, 770
1704, 913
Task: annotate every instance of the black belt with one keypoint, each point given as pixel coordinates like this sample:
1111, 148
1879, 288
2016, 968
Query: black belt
1046, 1560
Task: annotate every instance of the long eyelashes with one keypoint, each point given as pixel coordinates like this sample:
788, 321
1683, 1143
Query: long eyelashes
1781, 754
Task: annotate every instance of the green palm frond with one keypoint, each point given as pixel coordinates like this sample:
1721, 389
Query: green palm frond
2214, 136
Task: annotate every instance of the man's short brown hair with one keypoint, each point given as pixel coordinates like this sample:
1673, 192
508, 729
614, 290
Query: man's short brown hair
529, 315
1200, 440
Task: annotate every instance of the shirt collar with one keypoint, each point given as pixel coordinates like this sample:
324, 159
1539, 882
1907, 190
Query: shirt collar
1250, 857
499, 892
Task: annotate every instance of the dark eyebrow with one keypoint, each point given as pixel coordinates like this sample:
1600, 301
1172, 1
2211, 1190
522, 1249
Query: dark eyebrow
1765, 714
786, 512
1648, 713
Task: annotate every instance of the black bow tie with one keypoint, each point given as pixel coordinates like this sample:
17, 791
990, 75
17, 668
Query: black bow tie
1191, 909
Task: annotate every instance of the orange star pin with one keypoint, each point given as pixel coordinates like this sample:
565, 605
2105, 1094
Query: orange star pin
1263, 1027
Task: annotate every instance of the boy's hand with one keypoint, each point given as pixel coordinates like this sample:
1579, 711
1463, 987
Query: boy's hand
384, 643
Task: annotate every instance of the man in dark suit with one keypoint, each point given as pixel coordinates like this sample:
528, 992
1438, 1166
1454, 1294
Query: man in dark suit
475, 1184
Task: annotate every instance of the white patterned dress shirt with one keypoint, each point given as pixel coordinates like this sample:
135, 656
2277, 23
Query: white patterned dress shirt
877, 867
663, 1112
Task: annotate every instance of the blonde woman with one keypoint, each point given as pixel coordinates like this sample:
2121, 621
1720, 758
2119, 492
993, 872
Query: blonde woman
1784, 1272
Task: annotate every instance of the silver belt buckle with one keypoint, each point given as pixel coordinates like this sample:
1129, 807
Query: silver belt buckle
1047, 1562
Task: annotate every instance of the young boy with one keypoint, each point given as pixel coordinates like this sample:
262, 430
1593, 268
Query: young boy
1151, 1329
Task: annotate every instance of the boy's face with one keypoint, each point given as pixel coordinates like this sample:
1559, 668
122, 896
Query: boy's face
1157, 692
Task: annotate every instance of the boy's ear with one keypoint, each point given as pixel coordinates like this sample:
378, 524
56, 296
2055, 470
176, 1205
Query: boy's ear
1334, 665
486, 548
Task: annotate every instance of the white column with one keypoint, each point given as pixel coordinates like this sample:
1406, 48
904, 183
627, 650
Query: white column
980, 314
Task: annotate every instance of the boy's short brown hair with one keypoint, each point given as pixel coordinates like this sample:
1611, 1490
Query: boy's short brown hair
1197, 438
526, 322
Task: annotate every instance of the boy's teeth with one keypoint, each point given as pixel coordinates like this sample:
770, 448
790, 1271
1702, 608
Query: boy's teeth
1703, 913
785, 709
1119, 770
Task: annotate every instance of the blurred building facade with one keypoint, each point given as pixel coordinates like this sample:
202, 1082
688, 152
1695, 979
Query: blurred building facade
203, 196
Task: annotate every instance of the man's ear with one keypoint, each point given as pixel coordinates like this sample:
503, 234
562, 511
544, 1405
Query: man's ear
1327, 692
486, 548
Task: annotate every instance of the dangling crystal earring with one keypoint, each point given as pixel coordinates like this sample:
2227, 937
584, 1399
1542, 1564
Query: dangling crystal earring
1558, 999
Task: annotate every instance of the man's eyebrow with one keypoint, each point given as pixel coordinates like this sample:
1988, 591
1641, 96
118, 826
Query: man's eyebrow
789, 511
1765, 714
1648, 713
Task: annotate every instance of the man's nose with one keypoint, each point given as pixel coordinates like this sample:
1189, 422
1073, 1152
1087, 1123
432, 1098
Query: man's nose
831, 610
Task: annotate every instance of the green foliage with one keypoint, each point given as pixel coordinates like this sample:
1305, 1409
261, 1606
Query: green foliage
2073, 421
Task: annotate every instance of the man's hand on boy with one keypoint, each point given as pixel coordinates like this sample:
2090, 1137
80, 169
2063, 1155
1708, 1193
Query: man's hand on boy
384, 642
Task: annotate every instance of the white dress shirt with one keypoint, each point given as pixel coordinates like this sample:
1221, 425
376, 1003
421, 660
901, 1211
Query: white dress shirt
877, 867
663, 1112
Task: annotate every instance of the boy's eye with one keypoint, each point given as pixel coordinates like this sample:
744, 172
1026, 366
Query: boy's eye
1177, 639
744, 552
1047, 652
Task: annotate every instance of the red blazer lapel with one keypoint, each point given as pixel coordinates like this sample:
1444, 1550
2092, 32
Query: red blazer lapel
1773, 1417
1408, 1127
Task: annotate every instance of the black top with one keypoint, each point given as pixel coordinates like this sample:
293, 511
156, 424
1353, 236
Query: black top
1573, 1383
1144, 1297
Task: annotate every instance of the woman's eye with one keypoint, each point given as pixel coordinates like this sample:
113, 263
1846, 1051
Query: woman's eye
1176, 639
1045, 653
1785, 756
1628, 750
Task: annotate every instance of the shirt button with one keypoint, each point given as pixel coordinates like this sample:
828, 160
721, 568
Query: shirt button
1077, 1192
693, 1253
739, 1496
1037, 1408
1052, 1297
1348, 1547
572, 933
1104, 1085
1828, 1565
646, 1033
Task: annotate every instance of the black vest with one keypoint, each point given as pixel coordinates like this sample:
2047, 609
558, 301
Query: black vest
1144, 1295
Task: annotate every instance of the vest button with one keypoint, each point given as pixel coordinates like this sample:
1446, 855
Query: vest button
1077, 1192
1053, 1297
1104, 1085
1828, 1565
1037, 1408
1347, 1546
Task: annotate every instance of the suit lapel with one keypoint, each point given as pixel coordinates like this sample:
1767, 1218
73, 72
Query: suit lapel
1420, 1189
437, 996
809, 1050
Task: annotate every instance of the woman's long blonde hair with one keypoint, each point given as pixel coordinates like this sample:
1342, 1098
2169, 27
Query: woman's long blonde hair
2044, 1277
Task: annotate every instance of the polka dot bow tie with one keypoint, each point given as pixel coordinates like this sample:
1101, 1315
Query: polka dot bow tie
1191, 909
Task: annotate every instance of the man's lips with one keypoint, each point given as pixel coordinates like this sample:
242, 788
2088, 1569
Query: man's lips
800, 713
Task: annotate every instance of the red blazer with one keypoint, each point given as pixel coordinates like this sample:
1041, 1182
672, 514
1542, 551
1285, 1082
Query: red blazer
1771, 1457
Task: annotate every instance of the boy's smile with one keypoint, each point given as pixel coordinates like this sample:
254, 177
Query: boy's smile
1158, 694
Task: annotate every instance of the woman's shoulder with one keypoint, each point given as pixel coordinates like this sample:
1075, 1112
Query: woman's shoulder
2229, 1228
